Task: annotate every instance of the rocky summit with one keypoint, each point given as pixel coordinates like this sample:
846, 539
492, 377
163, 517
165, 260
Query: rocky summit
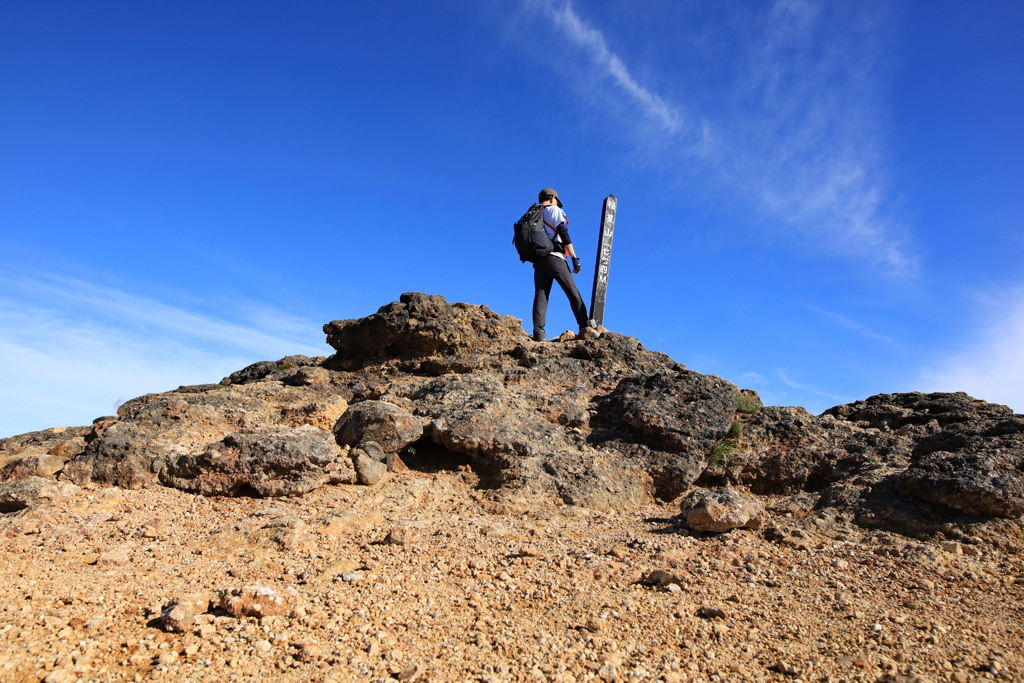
445, 499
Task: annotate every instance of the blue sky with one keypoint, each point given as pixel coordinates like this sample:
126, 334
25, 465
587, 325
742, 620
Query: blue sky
820, 201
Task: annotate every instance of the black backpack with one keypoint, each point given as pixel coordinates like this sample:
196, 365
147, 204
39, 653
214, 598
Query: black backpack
531, 239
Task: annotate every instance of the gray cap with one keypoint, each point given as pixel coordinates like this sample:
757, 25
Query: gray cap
547, 193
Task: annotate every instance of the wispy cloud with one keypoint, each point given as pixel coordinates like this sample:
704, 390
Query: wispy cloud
809, 145
123, 311
607, 62
847, 323
990, 366
778, 388
784, 378
791, 120
74, 349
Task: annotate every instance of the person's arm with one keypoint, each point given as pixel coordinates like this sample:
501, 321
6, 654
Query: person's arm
563, 233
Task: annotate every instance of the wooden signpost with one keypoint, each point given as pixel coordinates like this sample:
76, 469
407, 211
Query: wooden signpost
604, 257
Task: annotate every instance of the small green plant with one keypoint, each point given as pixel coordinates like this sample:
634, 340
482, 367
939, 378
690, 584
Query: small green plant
720, 455
745, 404
411, 450
284, 366
723, 449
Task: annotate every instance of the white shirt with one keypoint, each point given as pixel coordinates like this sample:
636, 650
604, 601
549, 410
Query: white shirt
553, 217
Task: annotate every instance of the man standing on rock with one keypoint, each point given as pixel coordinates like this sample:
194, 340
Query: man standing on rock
553, 268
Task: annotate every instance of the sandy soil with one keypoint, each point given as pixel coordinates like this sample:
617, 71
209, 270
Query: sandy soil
422, 578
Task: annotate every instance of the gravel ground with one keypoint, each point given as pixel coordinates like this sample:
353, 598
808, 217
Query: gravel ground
424, 578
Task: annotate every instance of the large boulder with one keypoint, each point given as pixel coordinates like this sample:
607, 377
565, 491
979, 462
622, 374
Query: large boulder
44, 465
678, 414
63, 442
909, 462
155, 430
387, 424
288, 367
786, 450
981, 484
31, 492
718, 510
966, 455
283, 461
420, 326
598, 422
123, 457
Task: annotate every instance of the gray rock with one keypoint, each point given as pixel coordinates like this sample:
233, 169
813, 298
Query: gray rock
122, 457
962, 453
388, 425
158, 429
368, 471
910, 463
785, 450
679, 414
309, 376
601, 423
284, 368
372, 450
980, 483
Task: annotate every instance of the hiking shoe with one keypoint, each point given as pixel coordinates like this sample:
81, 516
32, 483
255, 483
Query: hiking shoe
539, 335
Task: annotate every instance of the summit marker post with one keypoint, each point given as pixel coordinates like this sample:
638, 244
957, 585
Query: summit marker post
604, 257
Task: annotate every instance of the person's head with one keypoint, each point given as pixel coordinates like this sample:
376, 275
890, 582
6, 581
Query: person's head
548, 197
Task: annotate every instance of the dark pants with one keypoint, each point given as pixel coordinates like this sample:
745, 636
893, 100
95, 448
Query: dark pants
554, 269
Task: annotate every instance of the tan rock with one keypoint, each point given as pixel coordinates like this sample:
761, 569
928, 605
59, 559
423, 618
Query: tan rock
114, 557
662, 577
400, 535
337, 524
259, 601
45, 465
33, 491
721, 510
180, 614
368, 471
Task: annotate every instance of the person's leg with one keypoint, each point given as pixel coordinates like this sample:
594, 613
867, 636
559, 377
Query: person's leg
564, 279
542, 278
